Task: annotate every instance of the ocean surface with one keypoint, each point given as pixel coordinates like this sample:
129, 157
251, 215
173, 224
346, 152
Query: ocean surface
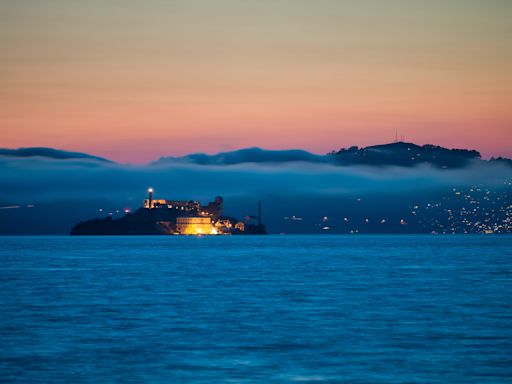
262, 309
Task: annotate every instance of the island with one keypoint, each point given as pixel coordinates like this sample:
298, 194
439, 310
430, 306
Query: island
173, 217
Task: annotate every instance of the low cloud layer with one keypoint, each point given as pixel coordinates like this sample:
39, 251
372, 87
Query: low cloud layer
28, 179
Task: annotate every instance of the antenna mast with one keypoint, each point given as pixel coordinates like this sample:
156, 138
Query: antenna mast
259, 212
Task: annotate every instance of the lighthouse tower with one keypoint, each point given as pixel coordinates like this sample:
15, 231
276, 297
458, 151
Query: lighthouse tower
150, 198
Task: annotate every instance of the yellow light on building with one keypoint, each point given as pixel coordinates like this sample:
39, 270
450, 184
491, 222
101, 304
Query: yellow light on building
195, 226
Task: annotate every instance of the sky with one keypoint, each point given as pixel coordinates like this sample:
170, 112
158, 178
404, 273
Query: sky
134, 80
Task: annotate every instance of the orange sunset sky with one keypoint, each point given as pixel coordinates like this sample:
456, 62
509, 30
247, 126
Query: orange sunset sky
136, 80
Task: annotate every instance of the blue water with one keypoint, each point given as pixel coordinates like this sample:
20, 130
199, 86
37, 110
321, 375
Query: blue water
274, 309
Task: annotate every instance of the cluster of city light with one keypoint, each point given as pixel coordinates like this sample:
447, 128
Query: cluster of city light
476, 209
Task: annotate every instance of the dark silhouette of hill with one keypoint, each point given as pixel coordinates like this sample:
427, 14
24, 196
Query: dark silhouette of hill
406, 155
394, 154
49, 153
246, 155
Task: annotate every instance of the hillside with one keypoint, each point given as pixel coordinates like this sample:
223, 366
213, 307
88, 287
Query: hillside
50, 153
